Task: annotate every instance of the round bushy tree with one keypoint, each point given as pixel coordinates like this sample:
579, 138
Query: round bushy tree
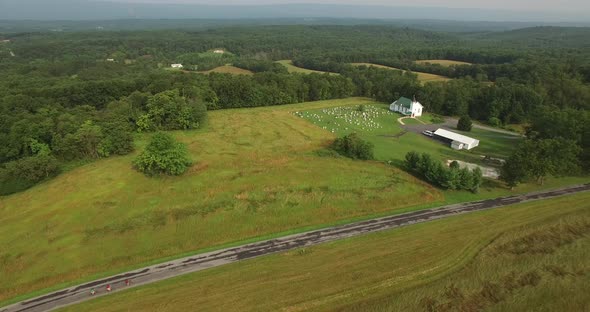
354, 147
464, 124
163, 155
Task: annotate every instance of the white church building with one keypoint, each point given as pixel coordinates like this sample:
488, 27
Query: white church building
407, 107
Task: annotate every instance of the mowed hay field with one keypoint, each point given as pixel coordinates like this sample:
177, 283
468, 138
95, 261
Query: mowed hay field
445, 63
228, 69
294, 69
423, 77
526, 257
255, 174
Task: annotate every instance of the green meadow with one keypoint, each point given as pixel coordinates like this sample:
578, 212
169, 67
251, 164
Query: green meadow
380, 126
257, 173
524, 257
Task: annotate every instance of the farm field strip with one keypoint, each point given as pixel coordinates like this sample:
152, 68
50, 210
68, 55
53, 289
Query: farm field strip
445, 63
423, 77
228, 69
199, 262
294, 69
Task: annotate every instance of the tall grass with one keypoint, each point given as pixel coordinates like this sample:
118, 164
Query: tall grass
464, 263
254, 175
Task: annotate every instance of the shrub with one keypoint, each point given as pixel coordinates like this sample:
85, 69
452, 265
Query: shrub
354, 147
163, 155
464, 123
494, 122
412, 160
437, 119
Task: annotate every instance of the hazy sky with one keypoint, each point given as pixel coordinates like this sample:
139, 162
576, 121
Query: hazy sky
520, 5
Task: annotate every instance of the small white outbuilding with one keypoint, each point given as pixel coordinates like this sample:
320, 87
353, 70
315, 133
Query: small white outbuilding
176, 66
458, 141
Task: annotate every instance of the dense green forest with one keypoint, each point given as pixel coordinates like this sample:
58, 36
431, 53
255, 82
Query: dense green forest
70, 97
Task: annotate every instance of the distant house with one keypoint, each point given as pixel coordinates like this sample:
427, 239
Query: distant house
5, 41
218, 51
176, 66
458, 141
110, 60
407, 107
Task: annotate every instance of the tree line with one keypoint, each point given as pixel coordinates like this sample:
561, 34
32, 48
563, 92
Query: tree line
451, 178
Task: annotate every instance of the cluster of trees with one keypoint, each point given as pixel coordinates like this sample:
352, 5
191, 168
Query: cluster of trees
18, 175
39, 136
452, 177
259, 66
505, 102
538, 158
353, 146
270, 88
382, 84
163, 155
558, 144
169, 110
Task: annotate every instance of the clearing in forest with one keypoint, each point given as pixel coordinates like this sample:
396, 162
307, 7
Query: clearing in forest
525, 256
423, 77
445, 63
228, 69
294, 69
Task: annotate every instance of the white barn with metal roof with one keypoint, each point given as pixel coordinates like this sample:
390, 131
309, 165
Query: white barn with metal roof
458, 141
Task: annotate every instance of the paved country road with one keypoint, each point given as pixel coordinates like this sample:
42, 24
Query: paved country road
154, 273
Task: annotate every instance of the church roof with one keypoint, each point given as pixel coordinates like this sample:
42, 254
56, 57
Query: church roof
404, 102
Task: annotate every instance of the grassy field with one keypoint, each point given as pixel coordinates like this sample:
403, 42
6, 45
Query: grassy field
445, 63
423, 77
228, 69
493, 143
294, 69
526, 257
379, 126
430, 119
255, 174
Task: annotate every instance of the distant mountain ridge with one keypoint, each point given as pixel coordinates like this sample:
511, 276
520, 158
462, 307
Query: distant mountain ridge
104, 10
